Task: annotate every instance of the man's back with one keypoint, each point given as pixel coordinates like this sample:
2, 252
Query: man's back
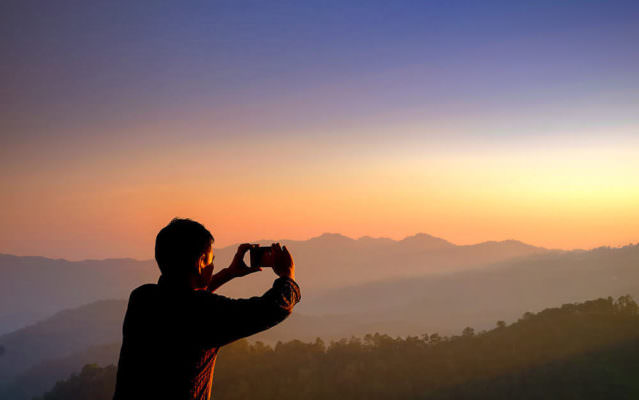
171, 336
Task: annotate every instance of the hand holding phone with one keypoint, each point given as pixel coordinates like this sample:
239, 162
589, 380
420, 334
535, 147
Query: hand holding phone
274, 256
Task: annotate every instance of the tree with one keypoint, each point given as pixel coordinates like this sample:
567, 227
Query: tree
468, 332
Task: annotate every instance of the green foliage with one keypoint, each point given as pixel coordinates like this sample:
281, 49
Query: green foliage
578, 351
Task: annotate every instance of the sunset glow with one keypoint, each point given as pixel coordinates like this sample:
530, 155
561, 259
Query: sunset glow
458, 131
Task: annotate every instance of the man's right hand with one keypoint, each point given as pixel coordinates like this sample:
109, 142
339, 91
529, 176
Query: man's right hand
283, 264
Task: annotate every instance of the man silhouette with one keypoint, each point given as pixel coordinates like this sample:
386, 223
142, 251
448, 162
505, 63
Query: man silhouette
173, 329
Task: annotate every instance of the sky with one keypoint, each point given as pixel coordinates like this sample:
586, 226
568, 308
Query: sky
467, 120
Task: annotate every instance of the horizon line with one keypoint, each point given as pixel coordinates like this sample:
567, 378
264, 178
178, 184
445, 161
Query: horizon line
340, 235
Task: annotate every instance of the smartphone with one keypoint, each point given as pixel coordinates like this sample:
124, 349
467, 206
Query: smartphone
261, 256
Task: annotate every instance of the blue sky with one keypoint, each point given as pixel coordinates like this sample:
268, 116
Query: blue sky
76, 63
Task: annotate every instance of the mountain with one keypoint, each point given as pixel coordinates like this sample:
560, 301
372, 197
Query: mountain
501, 291
32, 288
442, 302
333, 261
424, 242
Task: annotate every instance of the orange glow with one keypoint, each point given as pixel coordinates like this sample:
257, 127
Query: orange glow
113, 205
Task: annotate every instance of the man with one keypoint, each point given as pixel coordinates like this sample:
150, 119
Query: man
173, 330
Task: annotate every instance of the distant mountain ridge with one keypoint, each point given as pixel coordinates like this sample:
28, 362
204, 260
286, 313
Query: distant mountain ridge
419, 241
32, 288
332, 260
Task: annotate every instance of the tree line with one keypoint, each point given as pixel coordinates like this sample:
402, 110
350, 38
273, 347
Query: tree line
587, 350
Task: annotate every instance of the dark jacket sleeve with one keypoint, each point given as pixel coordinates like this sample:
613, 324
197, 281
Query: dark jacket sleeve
224, 320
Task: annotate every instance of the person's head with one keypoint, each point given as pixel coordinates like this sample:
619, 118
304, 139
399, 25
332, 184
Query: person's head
184, 252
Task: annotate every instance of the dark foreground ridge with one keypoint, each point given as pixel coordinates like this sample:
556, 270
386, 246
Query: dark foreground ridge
578, 351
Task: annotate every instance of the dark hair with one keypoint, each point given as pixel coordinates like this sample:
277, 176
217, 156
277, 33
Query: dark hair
180, 244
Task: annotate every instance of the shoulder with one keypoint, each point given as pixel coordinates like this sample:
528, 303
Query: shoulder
144, 291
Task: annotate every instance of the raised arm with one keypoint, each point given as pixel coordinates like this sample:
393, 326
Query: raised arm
232, 319
223, 320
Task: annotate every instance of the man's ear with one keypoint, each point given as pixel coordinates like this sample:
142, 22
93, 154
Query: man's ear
201, 262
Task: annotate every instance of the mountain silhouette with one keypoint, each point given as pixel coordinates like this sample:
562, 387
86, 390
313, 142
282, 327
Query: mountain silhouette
325, 262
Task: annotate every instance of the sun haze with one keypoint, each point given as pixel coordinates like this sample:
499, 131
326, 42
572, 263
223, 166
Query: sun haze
486, 122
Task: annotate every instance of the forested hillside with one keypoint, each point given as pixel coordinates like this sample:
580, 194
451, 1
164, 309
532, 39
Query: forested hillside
578, 351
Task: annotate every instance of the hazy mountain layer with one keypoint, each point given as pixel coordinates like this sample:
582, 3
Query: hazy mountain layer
500, 292
33, 288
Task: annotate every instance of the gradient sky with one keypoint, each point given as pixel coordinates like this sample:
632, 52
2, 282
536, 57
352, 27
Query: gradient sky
468, 120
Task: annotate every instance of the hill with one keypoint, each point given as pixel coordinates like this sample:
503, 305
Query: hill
585, 351
42, 376
63, 334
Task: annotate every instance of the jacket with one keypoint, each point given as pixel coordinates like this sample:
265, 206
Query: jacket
171, 336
